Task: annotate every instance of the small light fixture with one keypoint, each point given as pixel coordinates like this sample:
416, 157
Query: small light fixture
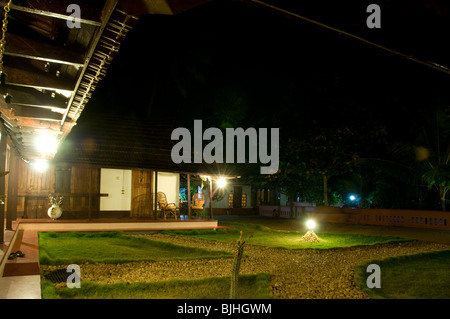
7, 98
352, 197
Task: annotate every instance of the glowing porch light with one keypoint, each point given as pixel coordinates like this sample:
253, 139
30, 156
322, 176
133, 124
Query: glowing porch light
40, 165
46, 143
221, 182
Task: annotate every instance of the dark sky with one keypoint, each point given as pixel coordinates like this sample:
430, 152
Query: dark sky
235, 64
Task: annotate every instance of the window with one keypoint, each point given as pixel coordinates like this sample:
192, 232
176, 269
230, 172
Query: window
244, 200
230, 200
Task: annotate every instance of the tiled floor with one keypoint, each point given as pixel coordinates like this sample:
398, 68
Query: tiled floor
18, 287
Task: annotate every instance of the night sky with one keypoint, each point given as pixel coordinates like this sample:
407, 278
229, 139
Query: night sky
233, 64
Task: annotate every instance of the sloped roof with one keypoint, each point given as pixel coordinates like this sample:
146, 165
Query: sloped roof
115, 141
51, 68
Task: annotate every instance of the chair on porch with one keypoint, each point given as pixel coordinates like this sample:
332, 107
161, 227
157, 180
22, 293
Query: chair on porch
167, 209
198, 201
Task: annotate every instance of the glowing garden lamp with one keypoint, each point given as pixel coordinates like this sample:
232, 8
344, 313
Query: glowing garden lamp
310, 236
310, 224
352, 197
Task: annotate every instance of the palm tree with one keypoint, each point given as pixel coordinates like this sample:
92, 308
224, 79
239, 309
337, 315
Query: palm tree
433, 150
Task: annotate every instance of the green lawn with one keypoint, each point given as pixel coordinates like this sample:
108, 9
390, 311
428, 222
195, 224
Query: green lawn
250, 287
419, 276
268, 237
117, 247
112, 247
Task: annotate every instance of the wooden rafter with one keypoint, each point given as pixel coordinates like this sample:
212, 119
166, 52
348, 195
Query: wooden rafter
25, 74
32, 97
35, 113
20, 46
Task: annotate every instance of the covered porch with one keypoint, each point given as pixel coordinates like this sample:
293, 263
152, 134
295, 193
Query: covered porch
95, 193
113, 168
49, 72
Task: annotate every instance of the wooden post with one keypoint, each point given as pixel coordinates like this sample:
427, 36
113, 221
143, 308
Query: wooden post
210, 198
3, 145
156, 194
13, 178
189, 195
150, 190
90, 195
97, 192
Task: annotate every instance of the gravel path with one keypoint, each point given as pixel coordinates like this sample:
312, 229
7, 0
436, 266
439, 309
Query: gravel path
304, 273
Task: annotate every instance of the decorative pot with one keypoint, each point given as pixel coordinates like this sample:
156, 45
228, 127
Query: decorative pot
54, 212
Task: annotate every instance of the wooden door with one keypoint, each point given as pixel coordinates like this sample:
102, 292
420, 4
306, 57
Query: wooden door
237, 197
141, 193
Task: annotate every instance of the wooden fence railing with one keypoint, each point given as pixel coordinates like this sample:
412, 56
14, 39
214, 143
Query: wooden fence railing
388, 217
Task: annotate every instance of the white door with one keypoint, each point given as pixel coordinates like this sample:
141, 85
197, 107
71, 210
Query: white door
117, 184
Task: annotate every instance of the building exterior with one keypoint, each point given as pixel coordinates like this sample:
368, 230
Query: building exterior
114, 168
53, 55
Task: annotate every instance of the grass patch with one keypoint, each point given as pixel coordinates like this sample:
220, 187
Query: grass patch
264, 236
419, 276
250, 287
112, 247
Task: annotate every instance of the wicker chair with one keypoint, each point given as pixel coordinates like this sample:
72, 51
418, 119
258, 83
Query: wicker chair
167, 209
198, 201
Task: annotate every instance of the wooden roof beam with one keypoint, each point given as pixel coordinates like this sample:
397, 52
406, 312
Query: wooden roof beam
18, 122
25, 75
35, 113
107, 11
32, 97
20, 46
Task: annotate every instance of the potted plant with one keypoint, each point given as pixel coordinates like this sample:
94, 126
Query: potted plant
55, 211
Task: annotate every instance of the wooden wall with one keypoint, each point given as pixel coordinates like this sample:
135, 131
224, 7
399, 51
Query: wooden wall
33, 189
84, 190
80, 187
